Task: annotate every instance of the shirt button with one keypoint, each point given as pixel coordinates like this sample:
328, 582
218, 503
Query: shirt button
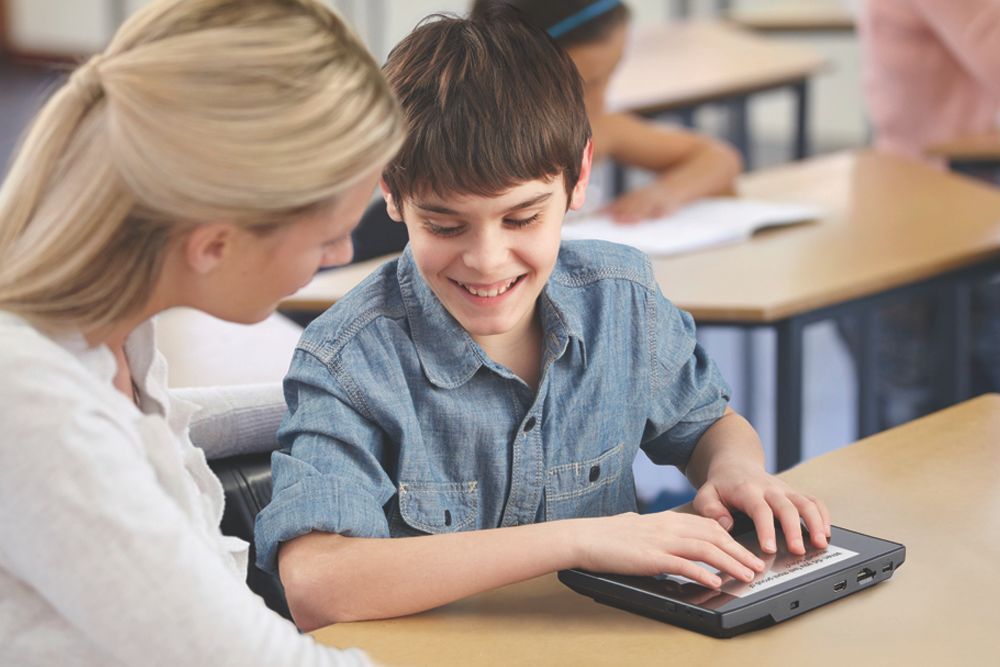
595, 472
530, 424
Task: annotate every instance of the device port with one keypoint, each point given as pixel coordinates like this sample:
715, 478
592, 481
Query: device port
865, 575
887, 568
794, 605
840, 585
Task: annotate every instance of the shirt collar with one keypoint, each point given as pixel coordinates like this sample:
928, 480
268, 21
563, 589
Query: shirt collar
447, 353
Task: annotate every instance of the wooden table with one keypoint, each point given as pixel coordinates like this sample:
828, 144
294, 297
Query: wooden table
894, 228
681, 66
970, 153
795, 19
933, 484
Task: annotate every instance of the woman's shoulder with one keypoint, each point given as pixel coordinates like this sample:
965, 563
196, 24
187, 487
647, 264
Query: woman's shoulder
47, 383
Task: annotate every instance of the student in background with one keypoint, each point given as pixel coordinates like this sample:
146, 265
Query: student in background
686, 165
931, 71
214, 156
931, 74
481, 399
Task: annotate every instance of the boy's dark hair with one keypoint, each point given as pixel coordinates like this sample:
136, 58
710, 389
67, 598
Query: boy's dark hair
490, 103
546, 14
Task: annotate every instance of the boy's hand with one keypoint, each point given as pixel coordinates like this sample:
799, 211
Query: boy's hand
747, 487
665, 542
653, 201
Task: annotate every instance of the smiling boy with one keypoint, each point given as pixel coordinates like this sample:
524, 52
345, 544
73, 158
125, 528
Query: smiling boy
481, 399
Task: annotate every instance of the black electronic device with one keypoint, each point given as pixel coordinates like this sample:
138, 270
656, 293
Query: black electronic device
791, 584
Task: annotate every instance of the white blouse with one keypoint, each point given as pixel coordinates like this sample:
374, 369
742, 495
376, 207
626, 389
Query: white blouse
110, 550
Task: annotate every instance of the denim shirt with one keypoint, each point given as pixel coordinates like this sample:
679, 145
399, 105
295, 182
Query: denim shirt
400, 424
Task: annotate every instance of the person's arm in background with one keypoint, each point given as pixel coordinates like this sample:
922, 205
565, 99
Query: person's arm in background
686, 165
971, 29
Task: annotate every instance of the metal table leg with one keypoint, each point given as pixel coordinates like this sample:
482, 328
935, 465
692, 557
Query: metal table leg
867, 366
788, 411
801, 142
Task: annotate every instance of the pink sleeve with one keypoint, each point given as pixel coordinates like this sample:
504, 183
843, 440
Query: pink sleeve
971, 31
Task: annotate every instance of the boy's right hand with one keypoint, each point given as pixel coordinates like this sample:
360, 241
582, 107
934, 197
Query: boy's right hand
665, 542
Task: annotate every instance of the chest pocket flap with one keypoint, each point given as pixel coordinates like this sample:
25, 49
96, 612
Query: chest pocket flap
439, 507
578, 479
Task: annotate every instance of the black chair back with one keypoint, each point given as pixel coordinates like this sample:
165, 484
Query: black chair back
246, 481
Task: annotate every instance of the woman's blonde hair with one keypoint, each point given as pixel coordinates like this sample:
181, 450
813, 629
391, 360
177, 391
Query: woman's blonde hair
248, 111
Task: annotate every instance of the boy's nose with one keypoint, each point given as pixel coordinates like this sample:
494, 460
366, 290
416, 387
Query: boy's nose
486, 254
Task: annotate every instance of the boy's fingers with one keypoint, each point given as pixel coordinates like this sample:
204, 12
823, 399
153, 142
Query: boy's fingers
710, 554
708, 504
825, 513
788, 517
814, 520
739, 552
686, 568
763, 521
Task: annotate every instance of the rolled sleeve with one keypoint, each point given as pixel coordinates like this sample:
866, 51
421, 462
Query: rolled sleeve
688, 393
332, 479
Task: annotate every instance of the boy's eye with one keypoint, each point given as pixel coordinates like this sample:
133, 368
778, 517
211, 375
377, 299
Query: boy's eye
524, 222
439, 230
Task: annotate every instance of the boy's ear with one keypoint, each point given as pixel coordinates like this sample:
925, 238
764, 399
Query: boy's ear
578, 196
207, 245
391, 207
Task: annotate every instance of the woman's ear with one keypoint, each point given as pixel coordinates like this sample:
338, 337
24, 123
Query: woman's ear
391, 207
207, 245
579, 194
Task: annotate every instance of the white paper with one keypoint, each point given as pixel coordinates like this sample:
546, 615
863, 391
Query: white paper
702, 224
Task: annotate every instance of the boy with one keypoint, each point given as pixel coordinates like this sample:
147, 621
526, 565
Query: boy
482, 398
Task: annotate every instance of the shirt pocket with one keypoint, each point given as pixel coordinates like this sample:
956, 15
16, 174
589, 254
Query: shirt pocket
439, 507
585, 488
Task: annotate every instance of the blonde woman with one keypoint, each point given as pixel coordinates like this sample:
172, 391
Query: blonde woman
214, 156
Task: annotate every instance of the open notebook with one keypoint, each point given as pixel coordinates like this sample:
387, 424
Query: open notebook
702, 224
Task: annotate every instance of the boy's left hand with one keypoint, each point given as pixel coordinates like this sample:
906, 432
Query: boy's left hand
747, 487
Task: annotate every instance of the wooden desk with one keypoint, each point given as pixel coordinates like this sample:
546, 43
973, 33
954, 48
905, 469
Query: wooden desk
931, 484
832, 19
681, 66
971, 152
893, 228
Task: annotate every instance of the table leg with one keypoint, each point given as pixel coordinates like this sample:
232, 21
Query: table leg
867, 372
955, 318
802, 148
788, 409
739, 128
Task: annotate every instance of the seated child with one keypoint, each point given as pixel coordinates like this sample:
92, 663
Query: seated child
686, 165
481, 399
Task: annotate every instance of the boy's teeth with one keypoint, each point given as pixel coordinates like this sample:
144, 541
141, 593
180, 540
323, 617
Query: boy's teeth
489, 293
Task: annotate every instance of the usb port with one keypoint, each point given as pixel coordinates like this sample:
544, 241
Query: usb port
865, 575
887, 568
840, 585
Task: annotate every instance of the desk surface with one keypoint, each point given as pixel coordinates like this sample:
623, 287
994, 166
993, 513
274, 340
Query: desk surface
932, 484
973, 148
678, 65
889, 222
833, 18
